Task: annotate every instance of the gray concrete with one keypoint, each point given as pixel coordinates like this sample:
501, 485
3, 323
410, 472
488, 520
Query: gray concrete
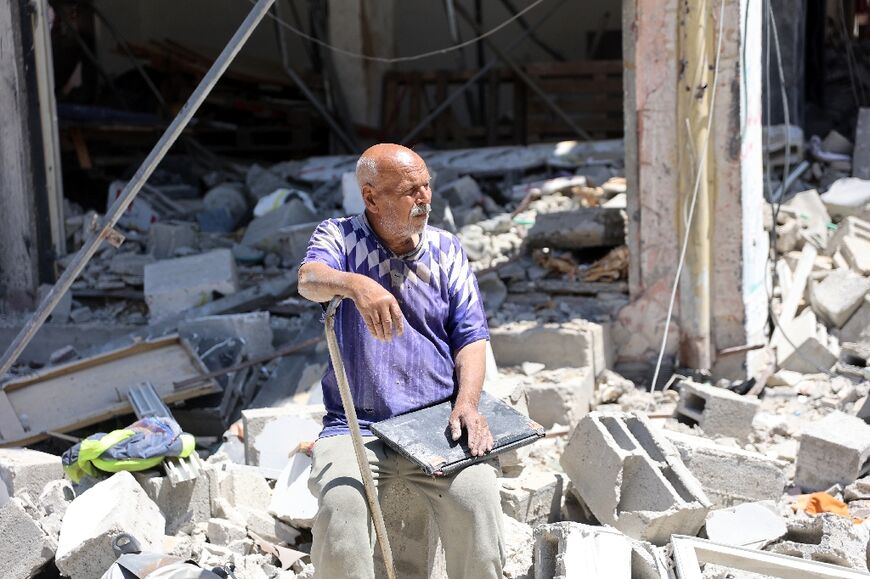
561, 402
166, 237
534, 498
261, 230
751, 525
111, 507
640, 484
184, 504
54, 336
714, 465
576, 344
568, 550
716, 411
24, 470
578, 229
837, 297
291, 242
519, 549
24, 547
861, 153
233, 486
857, 329
808, 347
175, 285
272, 433
835, 449
826, 538
224, 532
252, 328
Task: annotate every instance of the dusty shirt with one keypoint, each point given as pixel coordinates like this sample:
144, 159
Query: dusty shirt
440, 300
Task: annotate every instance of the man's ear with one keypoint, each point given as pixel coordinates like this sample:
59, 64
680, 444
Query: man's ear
368, 195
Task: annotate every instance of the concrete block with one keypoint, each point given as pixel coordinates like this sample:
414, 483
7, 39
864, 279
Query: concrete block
252, 328
848, 196
272, 433
462, 192
826, 538
715, 466
575, 344
716, 411
848, 227
640, 485
24, 470
56, 497
534, 498
519, 546
224, 532
856, 251
751, 525
578, 229
839, 295
291, 242
566, 550
184, 504
232, 486
833, 450
261, 231
24, 547
111, 507
166, 237
175, 285
562, 399
60, 313
130, 264
292, 501
857, 329
265, 525
811, 345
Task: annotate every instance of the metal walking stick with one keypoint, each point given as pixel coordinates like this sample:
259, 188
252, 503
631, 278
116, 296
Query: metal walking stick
356, 436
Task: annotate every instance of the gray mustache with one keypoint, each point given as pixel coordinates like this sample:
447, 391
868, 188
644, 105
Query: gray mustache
419, 210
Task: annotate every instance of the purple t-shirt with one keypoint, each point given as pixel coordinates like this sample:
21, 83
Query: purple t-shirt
443, 312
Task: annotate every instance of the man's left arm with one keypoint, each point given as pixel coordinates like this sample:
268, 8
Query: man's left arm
470, 371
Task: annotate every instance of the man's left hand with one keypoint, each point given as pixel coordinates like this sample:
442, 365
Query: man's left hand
479, 437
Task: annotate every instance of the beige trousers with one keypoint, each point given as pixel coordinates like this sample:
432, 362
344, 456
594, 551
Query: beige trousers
466, 506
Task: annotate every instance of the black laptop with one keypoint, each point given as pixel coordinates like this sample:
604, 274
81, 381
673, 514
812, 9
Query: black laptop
423, 436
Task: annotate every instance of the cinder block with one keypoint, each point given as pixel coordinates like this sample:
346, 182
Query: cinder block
563, 399
111, 507
25, 470
175, 285
716, 467
808, 345
835, 449
166, 237
568, 550
272, 433
224, 532
534, 498
716, 411
252, 328
183, 504
24, 547
826, 538
632, 478
574, 344
837, 297
262, 230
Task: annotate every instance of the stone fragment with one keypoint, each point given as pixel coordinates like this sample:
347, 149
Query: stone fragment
519, 548
292, 501
714, 465
232, 486
579, 229
224, 532
251, 328
861, 152
183, 504
62, 310
839, 295
566, 550
130, 264
575, 344
24, 470
460, 193
716, 411
826, 538
848, 196
291, 242
806, 347
166, 237
24, 547
533, 498
562, 398
833, 450
857, 329
848, 227
264, 525
751, 525
92, 521
56, 497
271, 434
856, 252
261, 231
640, 486
175, 285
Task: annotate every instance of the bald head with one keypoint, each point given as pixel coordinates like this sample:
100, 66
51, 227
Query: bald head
384, 159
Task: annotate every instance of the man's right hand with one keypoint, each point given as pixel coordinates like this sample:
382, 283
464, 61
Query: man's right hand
379, 309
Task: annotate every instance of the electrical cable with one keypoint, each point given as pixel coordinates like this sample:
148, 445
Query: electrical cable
704, 153
393, 60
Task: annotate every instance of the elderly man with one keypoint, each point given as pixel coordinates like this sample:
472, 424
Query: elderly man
413, 333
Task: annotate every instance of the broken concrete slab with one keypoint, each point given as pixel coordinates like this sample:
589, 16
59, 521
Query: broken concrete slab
167, 237
848, 196
271, 434
24, 470
253, 329
641, 486
260, 231
839, 295
111, 507
827, 538
751, 525
857, 328
574, 344
833, 450
183, 504
808, 208
761, 478
290, 242
24, 546
292, 501
856, 252
579, 229
519, 549
175, 285
224, 532
234, 486
848, 227
716, 411
562, 398
565, 550
461, 193
534, 497
56, 497
805, 347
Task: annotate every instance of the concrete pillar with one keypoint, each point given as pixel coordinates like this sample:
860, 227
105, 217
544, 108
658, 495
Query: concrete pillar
18, 241
730, 232
367, 28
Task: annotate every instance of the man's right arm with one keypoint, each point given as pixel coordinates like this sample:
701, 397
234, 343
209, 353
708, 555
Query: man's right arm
380, 311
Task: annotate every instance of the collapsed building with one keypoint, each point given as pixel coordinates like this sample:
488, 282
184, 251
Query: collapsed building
697, 426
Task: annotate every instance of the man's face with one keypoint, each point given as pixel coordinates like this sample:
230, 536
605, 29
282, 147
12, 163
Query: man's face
400, 199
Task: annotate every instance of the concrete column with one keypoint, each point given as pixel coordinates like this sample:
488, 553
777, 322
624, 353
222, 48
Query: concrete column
18, 244
368, 28
729, 237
